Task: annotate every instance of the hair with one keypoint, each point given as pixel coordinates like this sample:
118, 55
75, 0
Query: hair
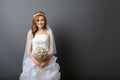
34, 21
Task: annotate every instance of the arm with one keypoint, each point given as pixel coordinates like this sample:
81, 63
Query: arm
51, 47
28, 46
51, 44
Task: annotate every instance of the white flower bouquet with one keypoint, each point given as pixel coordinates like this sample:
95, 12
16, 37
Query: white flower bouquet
40, 54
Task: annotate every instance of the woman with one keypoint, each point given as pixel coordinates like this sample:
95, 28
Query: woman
40, 35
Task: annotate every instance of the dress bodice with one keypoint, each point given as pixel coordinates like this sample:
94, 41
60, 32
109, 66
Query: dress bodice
41, 40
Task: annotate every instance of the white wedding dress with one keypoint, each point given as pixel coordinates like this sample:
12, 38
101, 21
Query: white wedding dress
49, 72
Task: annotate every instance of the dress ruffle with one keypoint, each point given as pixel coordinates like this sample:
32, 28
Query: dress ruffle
49, 72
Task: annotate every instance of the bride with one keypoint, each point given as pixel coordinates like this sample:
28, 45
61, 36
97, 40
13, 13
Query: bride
40, 35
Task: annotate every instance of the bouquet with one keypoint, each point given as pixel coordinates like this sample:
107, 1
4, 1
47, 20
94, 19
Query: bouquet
40, 54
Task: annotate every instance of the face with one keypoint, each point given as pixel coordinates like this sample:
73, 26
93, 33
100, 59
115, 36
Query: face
40, 22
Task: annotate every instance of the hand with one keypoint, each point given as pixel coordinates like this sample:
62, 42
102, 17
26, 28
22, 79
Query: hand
47, 60
41, 64
45, 63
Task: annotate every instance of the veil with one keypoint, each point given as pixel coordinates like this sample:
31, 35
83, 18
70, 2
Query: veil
28, 46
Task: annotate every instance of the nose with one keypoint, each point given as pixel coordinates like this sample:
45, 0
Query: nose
39, 22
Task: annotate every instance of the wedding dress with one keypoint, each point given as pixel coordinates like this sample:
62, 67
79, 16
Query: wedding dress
49, 72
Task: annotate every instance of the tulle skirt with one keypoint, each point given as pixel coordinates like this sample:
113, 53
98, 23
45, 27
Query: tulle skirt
49, 72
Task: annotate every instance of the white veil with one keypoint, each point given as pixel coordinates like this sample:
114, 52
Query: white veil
52, 46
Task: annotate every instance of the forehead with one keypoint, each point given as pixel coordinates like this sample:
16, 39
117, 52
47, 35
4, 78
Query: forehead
40, 17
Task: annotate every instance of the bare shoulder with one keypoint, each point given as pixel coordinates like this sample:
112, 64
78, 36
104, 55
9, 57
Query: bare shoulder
48, 31
30, 33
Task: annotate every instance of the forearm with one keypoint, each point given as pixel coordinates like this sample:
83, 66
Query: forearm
50, 54
31, 56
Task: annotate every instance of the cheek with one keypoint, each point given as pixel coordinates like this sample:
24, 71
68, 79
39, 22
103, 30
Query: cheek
43, 22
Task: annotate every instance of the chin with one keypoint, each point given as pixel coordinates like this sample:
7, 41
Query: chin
40, 27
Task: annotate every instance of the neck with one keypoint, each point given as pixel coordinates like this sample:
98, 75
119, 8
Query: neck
40, 29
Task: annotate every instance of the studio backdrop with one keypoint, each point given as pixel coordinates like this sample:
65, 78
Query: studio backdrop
87, 34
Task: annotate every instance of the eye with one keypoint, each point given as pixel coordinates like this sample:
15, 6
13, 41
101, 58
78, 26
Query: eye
42, 19
37, 20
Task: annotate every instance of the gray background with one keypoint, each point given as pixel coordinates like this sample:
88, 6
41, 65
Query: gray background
86, 33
